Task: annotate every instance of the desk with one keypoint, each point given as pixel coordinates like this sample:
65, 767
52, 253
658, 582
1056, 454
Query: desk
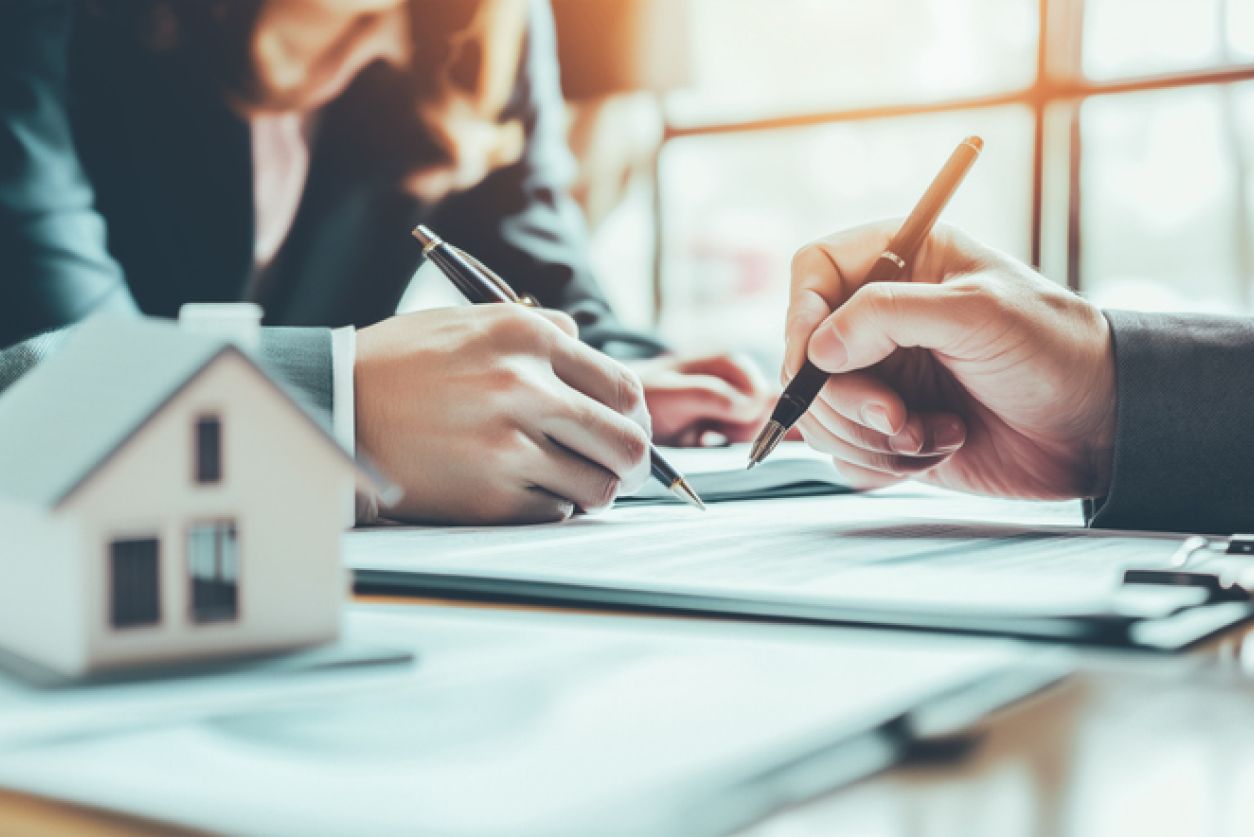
1139, 745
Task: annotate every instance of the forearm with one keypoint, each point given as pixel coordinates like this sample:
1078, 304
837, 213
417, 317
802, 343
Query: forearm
1184, 442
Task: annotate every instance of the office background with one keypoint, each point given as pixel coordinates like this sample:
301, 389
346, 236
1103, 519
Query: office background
717, 136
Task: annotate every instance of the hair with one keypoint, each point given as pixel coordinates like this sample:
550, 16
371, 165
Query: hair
463, 67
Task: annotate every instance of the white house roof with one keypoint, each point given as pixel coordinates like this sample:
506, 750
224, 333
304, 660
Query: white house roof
66, 417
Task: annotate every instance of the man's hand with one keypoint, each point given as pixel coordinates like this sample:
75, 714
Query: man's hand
690, 398
973, 372
497, 413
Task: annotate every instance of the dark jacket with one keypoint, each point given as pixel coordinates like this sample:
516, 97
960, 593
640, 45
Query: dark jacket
126, 184
1184, 436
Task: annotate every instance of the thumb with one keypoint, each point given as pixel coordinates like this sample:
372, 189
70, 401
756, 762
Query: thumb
805, 312
881, 317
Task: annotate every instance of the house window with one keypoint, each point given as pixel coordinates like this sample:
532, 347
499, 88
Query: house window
213, 566
134, 592
208, 449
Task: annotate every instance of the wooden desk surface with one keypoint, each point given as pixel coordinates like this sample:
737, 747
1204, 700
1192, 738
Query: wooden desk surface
1128, 746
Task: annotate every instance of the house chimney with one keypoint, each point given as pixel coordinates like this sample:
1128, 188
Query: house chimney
235, 322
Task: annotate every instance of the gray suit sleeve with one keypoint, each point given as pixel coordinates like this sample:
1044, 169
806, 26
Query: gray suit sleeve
56, 268
1184, 439
301, 358
17, 360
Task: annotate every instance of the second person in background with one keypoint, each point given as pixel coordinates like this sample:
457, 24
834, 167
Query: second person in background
279, 151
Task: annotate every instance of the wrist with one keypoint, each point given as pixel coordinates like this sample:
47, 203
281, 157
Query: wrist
1103, 399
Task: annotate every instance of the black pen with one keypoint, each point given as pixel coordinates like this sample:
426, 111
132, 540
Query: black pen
479, 284
803, 389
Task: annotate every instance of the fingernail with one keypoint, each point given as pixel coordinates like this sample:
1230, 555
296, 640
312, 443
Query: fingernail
874, 415
907, 441
949, 435
828, 350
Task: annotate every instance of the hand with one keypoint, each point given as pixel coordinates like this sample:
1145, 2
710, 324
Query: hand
497, 413
692, 397
973, 372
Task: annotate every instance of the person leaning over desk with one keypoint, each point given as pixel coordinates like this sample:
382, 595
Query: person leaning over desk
976, 373
156, 152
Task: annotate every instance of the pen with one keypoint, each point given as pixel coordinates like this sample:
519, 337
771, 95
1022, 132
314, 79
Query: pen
803, 389
479, 284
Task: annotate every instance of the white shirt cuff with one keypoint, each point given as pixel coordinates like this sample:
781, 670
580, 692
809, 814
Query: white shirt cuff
343, 400
362, 507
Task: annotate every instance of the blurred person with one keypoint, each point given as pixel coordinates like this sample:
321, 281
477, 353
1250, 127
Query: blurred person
157, 152
976, 373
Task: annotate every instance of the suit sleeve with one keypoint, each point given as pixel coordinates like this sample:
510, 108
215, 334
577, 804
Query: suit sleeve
56, 267
521, 219
1184, 439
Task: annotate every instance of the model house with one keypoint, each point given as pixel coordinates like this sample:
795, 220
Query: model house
163, 499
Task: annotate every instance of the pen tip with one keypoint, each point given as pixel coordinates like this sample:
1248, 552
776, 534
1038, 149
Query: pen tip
684, 491
767, 441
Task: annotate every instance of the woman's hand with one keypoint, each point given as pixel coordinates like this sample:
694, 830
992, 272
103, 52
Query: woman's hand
973, 372
691, 398
495, 414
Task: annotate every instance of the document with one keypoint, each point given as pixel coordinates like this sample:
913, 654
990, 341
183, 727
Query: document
529, 724
911, 557
719, 473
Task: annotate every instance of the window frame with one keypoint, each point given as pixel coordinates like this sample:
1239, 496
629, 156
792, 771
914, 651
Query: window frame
218, 527
1055, 97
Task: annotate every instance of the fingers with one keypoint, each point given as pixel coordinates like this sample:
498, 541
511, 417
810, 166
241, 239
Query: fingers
865, 399
831, 272
873, 439
853, 475
537, 505
882, 317
741, 373
601, 378
602, 437
567, 475
921, 442
824, 274
866, 459
706, 397
687, 407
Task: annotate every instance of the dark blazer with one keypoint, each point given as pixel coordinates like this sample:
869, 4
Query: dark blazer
1184, 437
126, 184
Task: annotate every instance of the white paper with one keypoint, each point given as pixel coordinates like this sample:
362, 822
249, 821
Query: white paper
910, 548
516, 724
719, 473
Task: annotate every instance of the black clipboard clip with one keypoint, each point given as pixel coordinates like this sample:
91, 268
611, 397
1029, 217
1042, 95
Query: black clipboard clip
1222, 584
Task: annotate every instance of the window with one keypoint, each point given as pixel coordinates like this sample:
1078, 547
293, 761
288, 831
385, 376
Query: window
796, 184
1165, 198
213, 567
208, 449
134, 594
1120, 146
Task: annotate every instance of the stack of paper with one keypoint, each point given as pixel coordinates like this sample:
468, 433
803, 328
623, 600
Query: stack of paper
718, 474
518, 724
909, 557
